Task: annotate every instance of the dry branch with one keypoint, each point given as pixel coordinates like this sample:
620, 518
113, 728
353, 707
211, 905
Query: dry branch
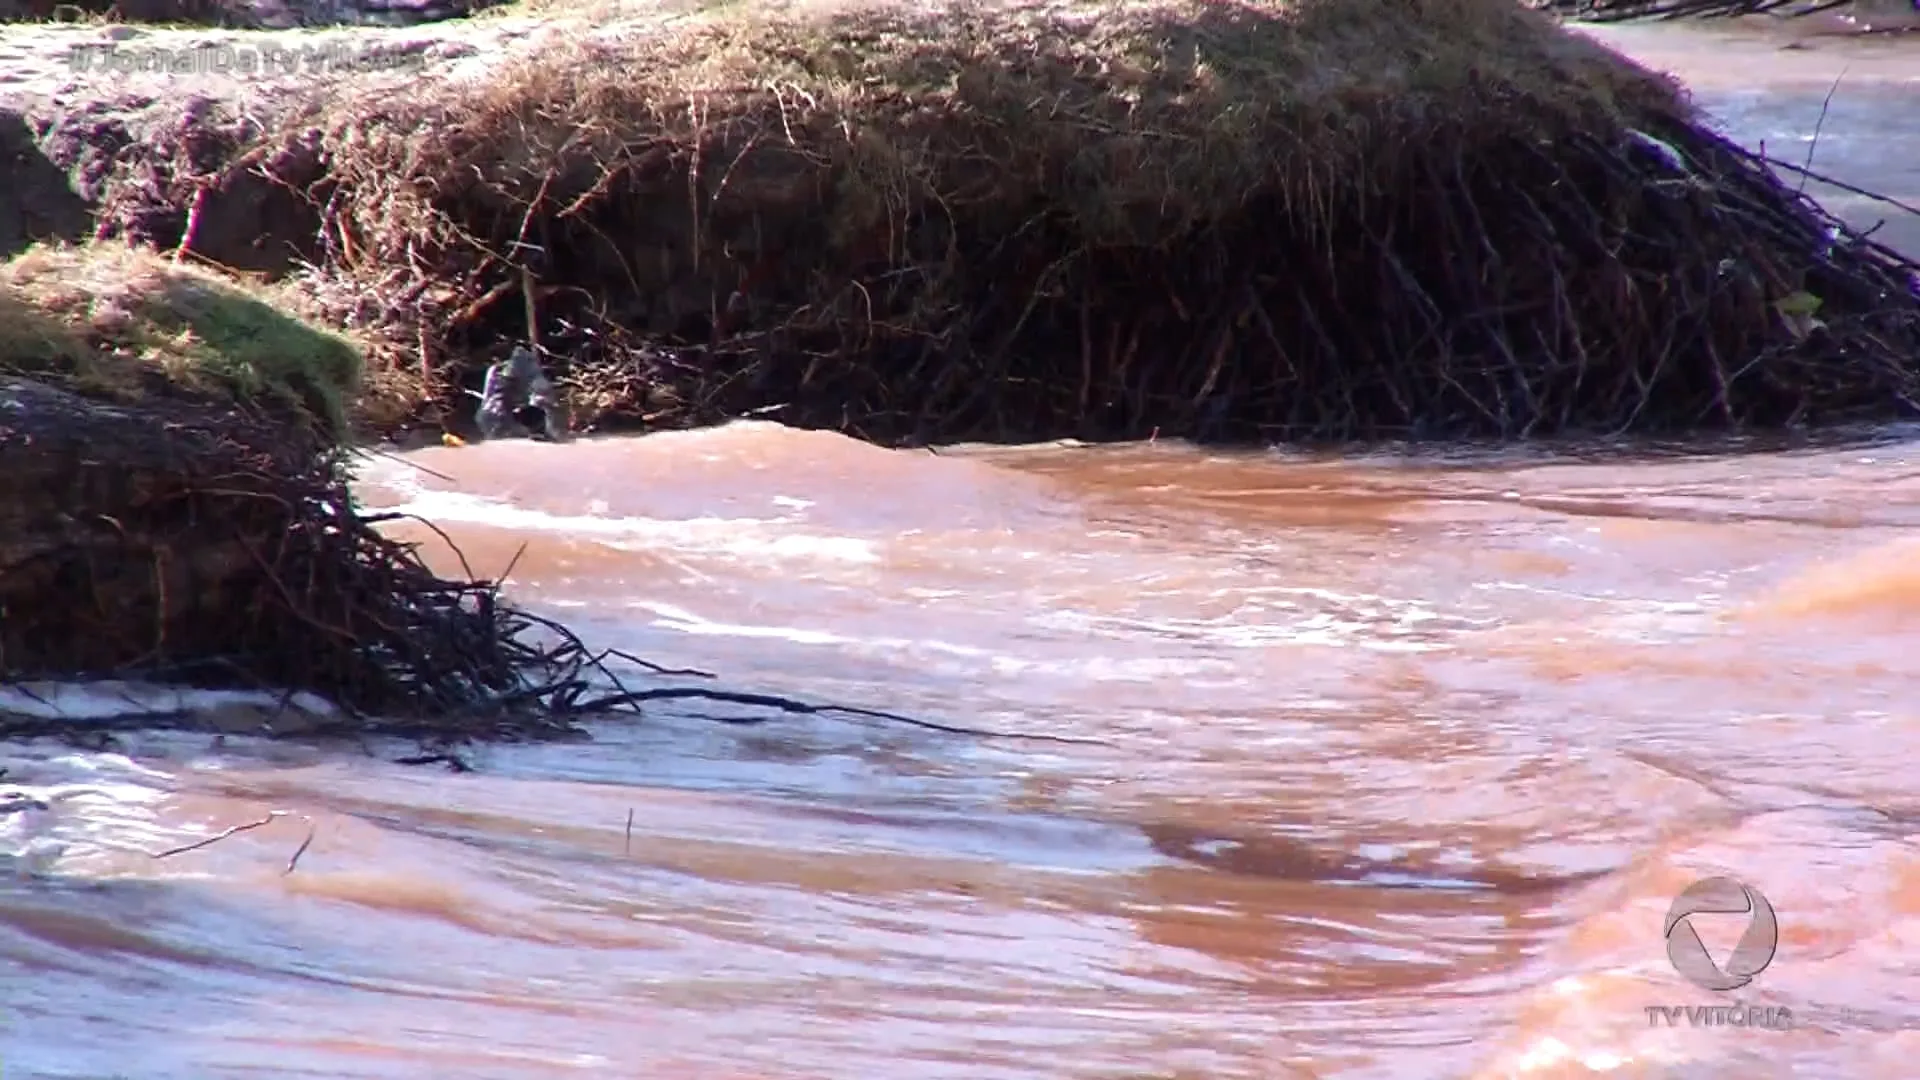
293, 861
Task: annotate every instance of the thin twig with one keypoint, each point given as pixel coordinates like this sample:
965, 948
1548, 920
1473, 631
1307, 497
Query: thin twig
272, 816
656, 668
788, 705
302, 849
1850, 189
378, 452
1814, 143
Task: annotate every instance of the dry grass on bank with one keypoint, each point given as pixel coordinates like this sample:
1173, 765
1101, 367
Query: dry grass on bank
1142, 118
1319, 218
108, 319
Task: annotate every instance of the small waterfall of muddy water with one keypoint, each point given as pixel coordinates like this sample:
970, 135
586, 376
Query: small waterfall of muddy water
1402, 760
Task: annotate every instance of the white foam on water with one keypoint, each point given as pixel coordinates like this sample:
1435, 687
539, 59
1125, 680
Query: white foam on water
77, 814
70, 813
109, 699
764, 539
670, 617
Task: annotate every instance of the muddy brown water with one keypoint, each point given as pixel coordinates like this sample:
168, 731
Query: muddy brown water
1400, 761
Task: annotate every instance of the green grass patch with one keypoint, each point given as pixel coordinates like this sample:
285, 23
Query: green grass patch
119, 322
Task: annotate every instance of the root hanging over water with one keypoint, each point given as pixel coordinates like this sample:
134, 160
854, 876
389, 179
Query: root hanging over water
198, 545
1247, 222
182, 541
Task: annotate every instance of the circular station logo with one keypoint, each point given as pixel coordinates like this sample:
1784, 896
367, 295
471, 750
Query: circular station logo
1721, 896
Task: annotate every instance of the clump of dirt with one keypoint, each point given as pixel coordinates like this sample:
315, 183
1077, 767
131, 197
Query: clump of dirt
40, 204
190, 174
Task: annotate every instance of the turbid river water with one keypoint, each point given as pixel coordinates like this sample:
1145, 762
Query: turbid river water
1397, 764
